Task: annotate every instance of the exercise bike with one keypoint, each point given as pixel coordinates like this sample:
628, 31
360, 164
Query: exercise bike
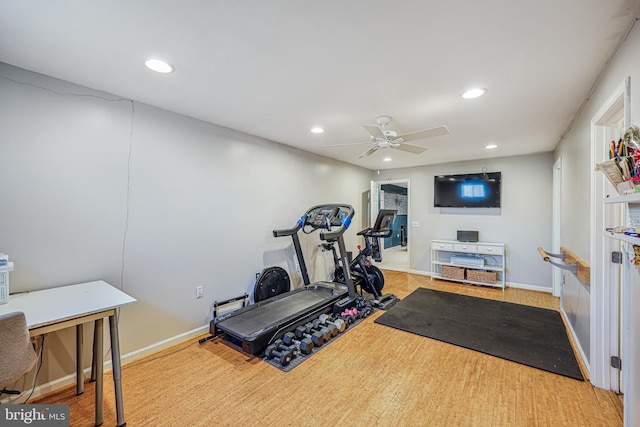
363, 273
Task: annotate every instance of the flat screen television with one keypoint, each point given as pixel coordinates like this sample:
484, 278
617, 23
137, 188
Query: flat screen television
472, 190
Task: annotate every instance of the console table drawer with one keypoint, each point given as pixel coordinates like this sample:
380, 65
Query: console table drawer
462, 247
490, 250
441, 246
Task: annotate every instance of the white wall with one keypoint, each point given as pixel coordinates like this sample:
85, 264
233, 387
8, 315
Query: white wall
576, 207
523, 223
155, 203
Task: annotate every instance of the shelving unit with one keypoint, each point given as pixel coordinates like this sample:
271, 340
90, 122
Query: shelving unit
632, 202
492, 254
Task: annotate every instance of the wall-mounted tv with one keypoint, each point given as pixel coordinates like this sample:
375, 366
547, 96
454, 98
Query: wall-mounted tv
472, 190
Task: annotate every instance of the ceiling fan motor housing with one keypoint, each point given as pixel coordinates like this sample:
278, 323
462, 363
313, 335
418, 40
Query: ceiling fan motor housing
383, 121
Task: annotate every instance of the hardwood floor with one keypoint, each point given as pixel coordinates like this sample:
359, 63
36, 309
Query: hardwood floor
370, 376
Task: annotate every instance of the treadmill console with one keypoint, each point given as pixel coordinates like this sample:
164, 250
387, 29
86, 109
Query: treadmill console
325, 217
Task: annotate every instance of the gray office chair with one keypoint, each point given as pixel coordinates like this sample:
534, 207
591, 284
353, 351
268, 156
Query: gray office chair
17, 356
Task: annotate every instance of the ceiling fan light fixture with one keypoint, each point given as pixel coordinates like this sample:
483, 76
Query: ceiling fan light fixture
159, 66
317, 129
383, 138
474, 93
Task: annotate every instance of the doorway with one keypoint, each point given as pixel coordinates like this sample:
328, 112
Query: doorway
608, 288
395, 249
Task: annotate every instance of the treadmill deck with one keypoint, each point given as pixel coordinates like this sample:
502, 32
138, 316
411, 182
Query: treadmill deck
258, 324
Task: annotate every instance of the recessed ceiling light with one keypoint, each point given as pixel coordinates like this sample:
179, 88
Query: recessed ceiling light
317, 129
159, 66
491, 146
386, 159
474, 93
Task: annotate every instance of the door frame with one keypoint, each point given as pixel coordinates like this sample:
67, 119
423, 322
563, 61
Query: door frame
605, 304
556, 234
375, 206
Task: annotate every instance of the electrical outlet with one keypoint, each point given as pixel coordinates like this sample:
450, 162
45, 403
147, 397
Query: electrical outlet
199, 291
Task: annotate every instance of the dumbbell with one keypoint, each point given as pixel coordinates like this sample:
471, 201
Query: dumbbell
349, 312
349, 315
365, 311
284, 356
326, 333
347, 319
305, 345
316, 337
283, 346
318, 324
340, 324
358, 314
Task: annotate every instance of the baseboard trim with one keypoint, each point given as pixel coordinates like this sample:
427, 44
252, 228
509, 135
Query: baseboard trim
420, 272
161, 345
508, 284
125, 358
576, 342
529, 287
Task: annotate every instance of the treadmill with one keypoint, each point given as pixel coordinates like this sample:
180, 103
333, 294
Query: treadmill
254, 327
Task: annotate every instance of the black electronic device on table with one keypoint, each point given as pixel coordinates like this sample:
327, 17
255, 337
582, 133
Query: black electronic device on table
254, 327
467, 235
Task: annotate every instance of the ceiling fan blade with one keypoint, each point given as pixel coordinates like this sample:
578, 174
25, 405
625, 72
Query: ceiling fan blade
369, 152
346, 145
374, 131
426, 133
409, 148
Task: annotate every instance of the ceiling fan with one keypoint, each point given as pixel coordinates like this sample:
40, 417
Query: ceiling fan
381, 137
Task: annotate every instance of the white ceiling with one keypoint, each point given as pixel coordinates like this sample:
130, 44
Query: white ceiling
276, 68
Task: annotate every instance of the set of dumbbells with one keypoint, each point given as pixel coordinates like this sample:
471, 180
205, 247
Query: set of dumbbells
282, 351
350, 315
305, 337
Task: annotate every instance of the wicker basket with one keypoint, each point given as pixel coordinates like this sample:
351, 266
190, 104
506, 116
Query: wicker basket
449, 272
482, 276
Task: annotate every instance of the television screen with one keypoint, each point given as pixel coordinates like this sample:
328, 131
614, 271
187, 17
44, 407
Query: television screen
475, 190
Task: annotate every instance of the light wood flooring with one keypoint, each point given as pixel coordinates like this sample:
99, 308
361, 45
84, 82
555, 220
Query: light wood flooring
370, 376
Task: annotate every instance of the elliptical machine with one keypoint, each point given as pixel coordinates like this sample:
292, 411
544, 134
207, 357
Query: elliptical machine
362, 271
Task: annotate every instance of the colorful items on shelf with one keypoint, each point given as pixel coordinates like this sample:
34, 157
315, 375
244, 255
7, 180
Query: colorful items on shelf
628, 231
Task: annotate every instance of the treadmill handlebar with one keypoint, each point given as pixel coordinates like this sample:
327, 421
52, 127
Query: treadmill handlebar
330, 235
287, 232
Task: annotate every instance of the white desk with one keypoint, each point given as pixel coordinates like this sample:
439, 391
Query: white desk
53, 309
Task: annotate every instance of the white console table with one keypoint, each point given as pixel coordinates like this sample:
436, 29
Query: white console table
492, 255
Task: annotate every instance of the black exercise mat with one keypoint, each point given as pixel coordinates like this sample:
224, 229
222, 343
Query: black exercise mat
531, 336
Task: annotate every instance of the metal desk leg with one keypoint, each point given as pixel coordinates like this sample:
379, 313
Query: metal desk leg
79, 364
117, 368
99, 368
95, 353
